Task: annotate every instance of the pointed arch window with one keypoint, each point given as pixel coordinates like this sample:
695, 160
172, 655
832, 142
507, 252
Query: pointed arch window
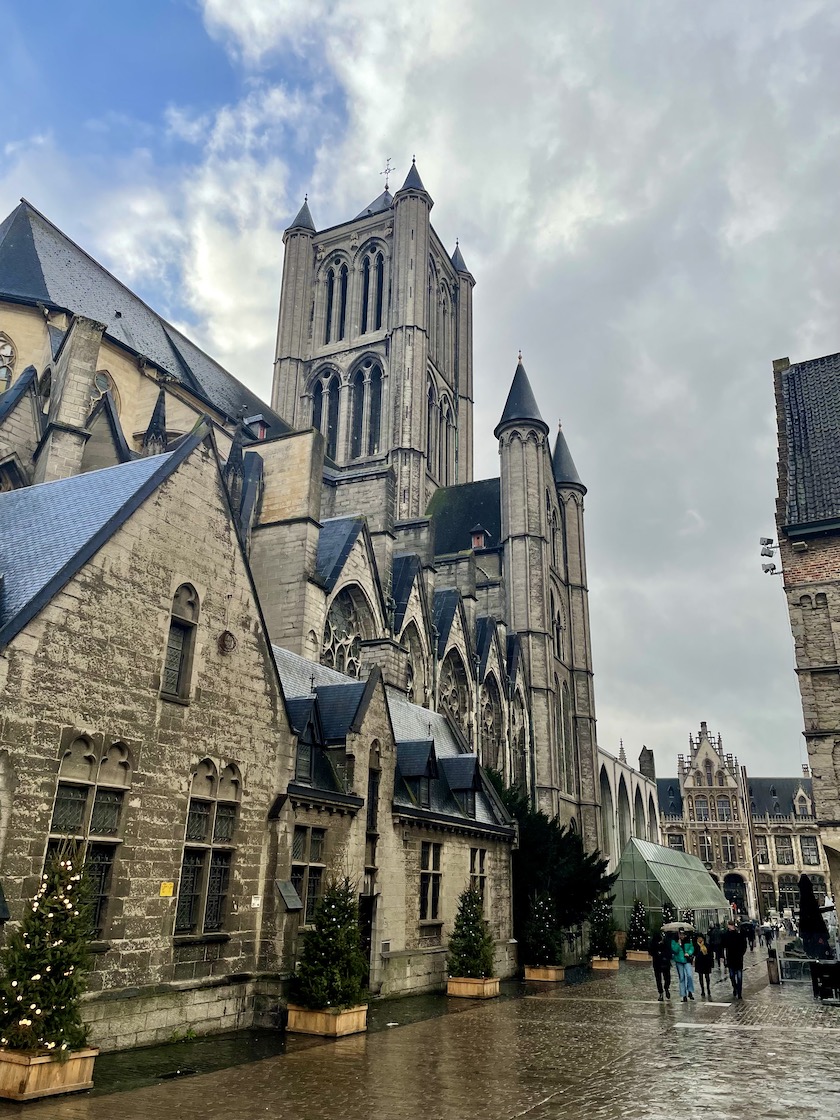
342, 302
363, 322
358, 414
332, 390
180, 643
212, 816
708, 769
366, 409
317, 404
454, 693
8, 355
492, 731
88, 811
431, 426
416, 687
375, 420
349, 623
328, 312
380, 291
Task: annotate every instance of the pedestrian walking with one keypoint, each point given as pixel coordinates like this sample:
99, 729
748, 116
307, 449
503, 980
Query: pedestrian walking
734, 947
715, 943
750, 932
681, 953
660, 955
704, 958
760, 937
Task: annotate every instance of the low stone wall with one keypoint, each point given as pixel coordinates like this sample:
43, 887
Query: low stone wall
127, 1017
411, 971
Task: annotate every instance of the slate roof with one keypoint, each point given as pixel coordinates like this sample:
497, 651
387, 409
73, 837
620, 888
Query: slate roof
9, 400
563, 465
777, 796
48, 531
336, 539
521, 404
485, 628
413, 182
40, 264
461, 773
338, 705
416, 758
303, 218
106, 405
458, 262
669, 797
405, 570
297, 673
380, 204
454, 509
299, 709
444, 609
810, 404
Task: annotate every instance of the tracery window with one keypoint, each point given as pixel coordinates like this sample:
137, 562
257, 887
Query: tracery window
416, 688
454, 695
208, 849
373, 292
349, 623
492, 731
104, 383
8, 355
431, 428
708, 768
520, 744
88, 809
326, 390
367, 409
335, 307
568, 734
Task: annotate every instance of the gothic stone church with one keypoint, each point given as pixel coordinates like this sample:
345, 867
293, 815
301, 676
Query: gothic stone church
243, 648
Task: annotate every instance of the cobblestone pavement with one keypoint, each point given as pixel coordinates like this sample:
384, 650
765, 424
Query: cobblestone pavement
604, 1049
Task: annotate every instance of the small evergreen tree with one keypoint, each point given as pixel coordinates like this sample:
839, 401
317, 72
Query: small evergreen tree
470, 946
332, 966
44, 965
667, 913
543, 940
602, 929
637, 934
687, 916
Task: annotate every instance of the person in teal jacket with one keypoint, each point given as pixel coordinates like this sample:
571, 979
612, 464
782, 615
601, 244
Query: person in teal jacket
682, 951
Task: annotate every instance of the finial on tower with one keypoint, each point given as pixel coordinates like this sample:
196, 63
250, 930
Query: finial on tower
519, 357
387, 171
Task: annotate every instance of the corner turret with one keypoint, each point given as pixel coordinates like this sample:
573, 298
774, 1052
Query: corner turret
521, 404
563, 466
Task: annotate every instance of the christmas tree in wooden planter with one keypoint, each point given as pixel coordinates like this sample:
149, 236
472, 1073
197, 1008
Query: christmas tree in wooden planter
543, 947
470, 959
327, 988
638, 935
43, 1040
602, 930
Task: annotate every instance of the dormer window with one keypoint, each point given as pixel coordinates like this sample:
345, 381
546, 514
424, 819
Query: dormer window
421, 791
303, 760
466, 800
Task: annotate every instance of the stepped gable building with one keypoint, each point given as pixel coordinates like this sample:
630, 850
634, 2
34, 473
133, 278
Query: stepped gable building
245, 648
808, 525
756, 836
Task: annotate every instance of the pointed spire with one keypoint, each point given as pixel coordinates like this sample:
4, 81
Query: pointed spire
233, 468
521, 403
304, 218
562, 463
154, 438
413, 182
458, 260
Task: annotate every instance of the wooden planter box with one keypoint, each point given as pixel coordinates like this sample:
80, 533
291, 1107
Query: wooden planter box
327, 1023
605, 963
550, 973
468, 987
25, 1077
638, 955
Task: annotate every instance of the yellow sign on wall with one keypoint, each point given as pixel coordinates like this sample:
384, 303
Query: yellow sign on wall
167, 890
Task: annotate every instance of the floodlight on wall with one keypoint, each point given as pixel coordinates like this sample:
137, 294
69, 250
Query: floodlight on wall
770, 570
765, 540
767, 551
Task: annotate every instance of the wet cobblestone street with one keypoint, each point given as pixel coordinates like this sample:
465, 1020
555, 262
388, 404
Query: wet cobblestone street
604, 1049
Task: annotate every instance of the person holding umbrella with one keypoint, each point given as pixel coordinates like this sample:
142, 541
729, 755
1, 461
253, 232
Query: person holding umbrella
682, 951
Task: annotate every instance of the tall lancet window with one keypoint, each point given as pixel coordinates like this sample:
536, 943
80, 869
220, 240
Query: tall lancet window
431, 429
328, 313
317, 405
342, 302
332, 390
357, 431
375, 418
380, 291
363, 328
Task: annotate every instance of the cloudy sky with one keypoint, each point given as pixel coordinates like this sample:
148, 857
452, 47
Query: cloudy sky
645, 190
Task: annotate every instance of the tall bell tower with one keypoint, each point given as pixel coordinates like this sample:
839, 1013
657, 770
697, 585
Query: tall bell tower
374, 344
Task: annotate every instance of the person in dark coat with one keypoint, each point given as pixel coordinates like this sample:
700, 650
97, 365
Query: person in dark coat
660, 955
749, 930
704, 958
734, 947
715, 943
812, 927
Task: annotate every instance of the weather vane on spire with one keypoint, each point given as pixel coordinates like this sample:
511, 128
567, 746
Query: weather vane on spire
387, 172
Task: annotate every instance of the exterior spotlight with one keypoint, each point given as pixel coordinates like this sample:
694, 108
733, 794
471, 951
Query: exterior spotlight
765, 540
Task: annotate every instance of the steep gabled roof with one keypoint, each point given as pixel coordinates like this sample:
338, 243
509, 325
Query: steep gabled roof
777, 796
669, 796
455, 509
406, 569
445, 606
40, 264
49, 531
338, 705
106, 408
809, 419
335, 542
16, 391
379, 205
521, 404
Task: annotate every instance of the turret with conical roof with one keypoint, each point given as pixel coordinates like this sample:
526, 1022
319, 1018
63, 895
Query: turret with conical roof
293, 323
562, 464
413, 182
521, 405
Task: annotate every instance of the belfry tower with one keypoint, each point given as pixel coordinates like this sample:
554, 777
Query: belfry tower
374, 344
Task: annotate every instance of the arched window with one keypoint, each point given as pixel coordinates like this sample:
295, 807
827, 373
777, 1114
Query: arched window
366, 409
721, 779
363, 321
357, 430
708, 769
607, 817
624, 826
342, 302
431, 427
639, 824
416, 687
788, 892
208, 849
332, 390
653, 830
446, 438
380, 291
375, 413
701, 808
572, 782
328, 311
724, 809
431, 311
104, 383
88, 809
8, 355
519, 740
492, 730
553, 529
317, 404
454, 693
180, 644
349, 623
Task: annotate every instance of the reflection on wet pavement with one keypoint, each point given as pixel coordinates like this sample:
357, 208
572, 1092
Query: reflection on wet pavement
605, 1049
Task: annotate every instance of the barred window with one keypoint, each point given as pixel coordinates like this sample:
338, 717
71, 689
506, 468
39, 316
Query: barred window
209, 837
308, 849
430, 879
180, 643
88, 806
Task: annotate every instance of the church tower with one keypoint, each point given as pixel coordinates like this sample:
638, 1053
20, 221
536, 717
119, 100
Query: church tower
374, 344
